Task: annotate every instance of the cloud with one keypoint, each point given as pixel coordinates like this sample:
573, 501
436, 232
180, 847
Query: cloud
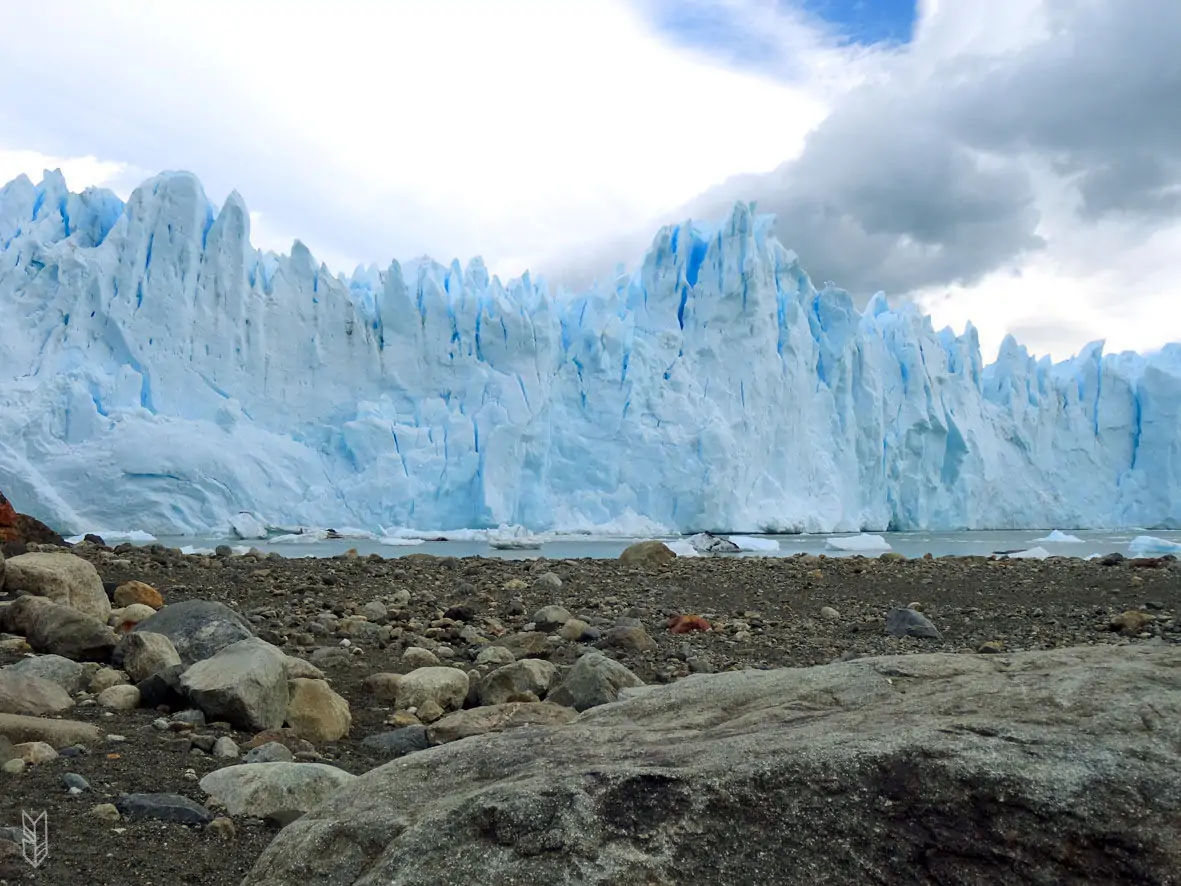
461, 127
1023, 146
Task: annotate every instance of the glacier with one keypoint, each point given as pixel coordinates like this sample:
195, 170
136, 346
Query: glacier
160, 373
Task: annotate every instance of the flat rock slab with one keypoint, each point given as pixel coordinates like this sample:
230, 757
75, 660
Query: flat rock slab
59, 733
172, 808
1049, 767
262, 789
497, 718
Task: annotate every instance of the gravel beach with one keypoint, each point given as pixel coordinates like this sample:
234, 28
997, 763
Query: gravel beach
353, 617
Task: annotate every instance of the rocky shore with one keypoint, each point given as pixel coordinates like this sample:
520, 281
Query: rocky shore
141, 688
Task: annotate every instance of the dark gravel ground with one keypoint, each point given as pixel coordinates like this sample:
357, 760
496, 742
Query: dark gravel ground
765, 613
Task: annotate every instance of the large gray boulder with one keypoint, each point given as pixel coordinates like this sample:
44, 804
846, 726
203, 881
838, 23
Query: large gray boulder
59, 629
62, 578
245, 684
198, 629
1048, 767
35, 696
67, 674
594, 680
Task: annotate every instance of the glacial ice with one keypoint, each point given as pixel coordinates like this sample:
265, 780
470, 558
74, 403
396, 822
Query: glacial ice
159, 372
1150, 544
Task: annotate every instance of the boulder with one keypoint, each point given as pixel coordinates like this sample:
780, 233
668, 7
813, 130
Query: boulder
244, 684
172, 808
446, 687
1060, 766
61, 630
119, 698
527, 644
62, 578
145, 654
594, 680
123, 620
525, 680
315, 712
261, 789
653, 553
498, 718
198, 629
137, 593
398, 742
911, 623
35, 696
67, 674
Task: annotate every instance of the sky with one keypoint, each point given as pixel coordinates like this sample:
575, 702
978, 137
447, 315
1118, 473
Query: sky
1016, 163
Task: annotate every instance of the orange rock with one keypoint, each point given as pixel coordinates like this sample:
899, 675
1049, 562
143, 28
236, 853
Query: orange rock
138, 592
687, 624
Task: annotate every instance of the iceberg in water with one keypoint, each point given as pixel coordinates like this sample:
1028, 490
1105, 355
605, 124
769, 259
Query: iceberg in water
159, 372
1058, 537
1149, 544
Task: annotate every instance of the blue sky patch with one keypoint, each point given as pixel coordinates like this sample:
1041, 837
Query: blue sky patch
735, 39
867, 21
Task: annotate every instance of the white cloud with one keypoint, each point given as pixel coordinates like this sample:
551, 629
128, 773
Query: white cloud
456, 127
559, 133
80, 172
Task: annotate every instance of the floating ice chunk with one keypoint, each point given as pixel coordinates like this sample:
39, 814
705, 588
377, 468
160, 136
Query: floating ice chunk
245, 525
1150, 544
241, 549
134, 536
682, 548
395, 541
759, 545
858, 543
1031, 554
190, 550
514, 538
1056, 536
308, 536
708, 543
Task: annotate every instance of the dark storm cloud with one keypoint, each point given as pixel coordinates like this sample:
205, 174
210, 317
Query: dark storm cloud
921, 178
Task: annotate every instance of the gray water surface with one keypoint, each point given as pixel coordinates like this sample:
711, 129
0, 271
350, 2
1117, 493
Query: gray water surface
910, 544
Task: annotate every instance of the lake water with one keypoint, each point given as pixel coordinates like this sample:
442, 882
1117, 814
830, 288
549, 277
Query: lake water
910, 544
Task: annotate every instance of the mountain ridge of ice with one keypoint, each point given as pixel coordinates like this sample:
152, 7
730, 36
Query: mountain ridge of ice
161, 373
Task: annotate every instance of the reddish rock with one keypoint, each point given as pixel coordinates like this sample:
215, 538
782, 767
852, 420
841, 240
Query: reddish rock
138, 592
20, 529
687, 624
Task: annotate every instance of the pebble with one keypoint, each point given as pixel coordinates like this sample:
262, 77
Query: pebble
222, 828
15, 766
829, 613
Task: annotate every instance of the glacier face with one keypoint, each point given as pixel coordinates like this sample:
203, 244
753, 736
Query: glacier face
160, 373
